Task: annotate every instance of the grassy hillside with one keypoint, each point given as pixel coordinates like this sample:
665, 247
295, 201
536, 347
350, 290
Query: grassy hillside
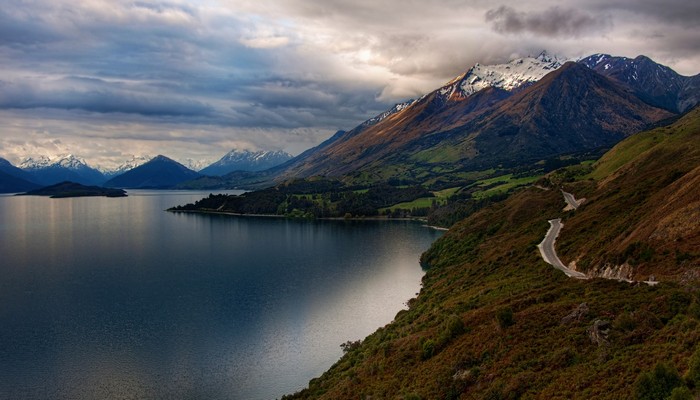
493, 321
642, 216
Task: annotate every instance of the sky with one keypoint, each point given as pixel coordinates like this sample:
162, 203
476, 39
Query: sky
192, 79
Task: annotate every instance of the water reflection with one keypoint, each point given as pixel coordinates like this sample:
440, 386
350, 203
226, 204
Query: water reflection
116, 298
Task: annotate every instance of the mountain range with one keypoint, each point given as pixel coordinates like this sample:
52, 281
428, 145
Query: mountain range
43, 171
507, 117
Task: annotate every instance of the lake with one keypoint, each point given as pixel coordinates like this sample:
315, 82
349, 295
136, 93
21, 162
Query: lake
116, 298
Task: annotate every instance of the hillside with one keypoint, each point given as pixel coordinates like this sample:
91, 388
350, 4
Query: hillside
494, 321
649, 184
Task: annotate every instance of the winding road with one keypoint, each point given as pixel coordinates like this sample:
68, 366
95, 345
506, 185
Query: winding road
571, 201
548, 253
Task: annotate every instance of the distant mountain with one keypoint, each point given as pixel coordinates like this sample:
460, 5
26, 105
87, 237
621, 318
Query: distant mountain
160, 173
45, 171
246, 160
13, 184
127, 165
515, 122
8, 168
654, 83
195, 165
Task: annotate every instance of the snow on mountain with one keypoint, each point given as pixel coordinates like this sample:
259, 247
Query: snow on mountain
31, 163
47, 171
396, 108
127, 165
68, 161
508, 76
195, 165
246, 160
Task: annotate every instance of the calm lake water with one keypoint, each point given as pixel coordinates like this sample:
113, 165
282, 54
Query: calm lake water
115, 298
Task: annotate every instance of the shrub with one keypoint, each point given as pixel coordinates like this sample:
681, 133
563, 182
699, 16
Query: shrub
504, 316
428, 349
693, 374
681, 393
657, 384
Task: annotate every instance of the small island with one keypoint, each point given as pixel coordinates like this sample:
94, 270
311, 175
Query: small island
72, 189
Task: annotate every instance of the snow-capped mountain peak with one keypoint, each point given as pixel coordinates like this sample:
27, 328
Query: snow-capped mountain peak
508, 76
70, 161
195, 165
127, 165
38, 162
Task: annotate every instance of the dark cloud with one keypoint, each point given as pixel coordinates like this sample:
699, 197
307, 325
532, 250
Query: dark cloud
681, 13
280, 73
552, 22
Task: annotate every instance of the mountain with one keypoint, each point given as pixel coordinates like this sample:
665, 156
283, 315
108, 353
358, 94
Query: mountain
571, 109
159, 173
246, 160
45, 171
8, 168
494, 321
127, 165
13, 184
13, 179
654, 83
195, 165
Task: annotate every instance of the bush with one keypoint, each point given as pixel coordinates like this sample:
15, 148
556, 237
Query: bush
428, 349
504, 316
657, 384
693, 374
681, 393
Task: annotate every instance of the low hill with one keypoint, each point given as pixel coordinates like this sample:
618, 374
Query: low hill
494, 321
72, 189
159, 173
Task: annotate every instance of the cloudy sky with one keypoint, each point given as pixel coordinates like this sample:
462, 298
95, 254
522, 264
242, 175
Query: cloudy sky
108, 79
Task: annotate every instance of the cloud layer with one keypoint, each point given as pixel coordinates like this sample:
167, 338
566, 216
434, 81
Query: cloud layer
106, 79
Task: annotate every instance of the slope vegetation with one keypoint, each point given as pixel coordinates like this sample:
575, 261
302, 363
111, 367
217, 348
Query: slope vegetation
647, 189
493, 321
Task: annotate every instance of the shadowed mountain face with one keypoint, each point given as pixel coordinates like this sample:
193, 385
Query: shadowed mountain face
161, 172
13, 179
654, 83
571, 109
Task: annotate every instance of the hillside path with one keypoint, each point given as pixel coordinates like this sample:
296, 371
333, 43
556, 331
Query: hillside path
549, 254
